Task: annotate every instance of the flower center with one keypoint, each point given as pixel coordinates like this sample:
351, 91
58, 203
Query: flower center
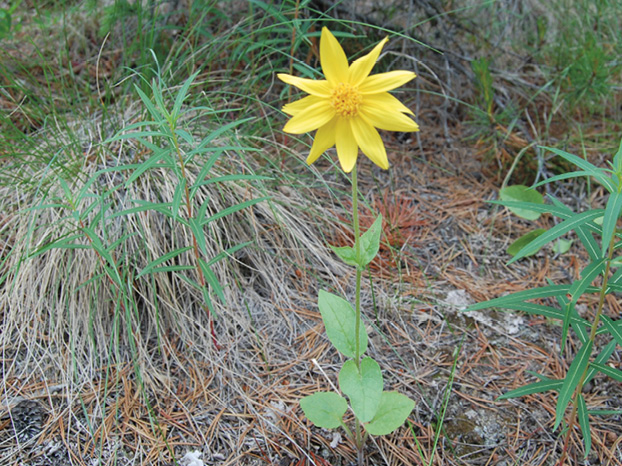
346, 100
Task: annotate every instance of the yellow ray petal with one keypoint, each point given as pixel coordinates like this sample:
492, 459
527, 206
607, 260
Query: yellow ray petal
311, 118
385, 101
324, 139
385, 81
370, 142
347, 148
300, 105
332, 58
318, 88
361, 68
389, 121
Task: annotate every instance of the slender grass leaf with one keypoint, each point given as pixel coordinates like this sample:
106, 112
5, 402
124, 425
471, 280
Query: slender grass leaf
227, 252
393, 410
598, 173
160, 260
584, 423
234, 208
602, 358
363, 388
614, 328
220, 179
116, 243
534, 293
535, 387
522, 193
214, 134
179, 191
573, 376
182, 94
615, 374
612, 213
172, 268
340, 322
324, 409
557, 231
137, 135
162, 207
46, 206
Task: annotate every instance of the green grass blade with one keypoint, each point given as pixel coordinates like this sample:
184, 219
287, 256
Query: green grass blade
557, 231
575, 371
612, 213
584, 423
535, 387
166, 257
234, 208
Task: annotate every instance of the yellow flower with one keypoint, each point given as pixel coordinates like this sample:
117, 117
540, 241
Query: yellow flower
348, 106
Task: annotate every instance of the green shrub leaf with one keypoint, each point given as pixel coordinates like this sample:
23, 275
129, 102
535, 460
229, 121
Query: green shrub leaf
324, 409
393, 410
522, 193
364, 388
340, 322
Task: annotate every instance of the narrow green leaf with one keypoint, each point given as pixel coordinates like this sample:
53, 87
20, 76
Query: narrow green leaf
557, 231
617, 160
163, 208
534, 293
546, 311
239, 177
185, 135
584, 423
523, 241
324, 409
340, 322
393, 410
575, 371
590, 169
182, 94
601, 359
166, 257
364, 388
227, 252
153, 111
177, 196
614, 328
172, 268
612, 214
148, 164
615, 374
234, 208
199, 234
535, 387
212, 280
522, 193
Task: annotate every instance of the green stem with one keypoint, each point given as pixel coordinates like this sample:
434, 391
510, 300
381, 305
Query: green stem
599, 312
359, 440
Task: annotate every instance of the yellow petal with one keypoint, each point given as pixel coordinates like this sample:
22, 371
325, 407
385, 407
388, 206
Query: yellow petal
385, 101
324, 139
319, 88
370, 142
347, 148
361, 68
311, 118
389, 121
332, 58
300, 105
385, 81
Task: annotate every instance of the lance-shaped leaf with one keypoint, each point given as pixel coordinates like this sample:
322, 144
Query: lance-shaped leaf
614, 328
573, 376
590, 170
369, 246
535, 387
340, 322
324, 409
557, 231
393, 410
519, 296
364, 388
584, 423
612, 213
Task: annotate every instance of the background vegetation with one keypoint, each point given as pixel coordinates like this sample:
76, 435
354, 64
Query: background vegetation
109, 355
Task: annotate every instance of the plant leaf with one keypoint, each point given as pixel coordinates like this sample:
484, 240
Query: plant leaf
393, 410
364, 388
534, 293
324, 409
612, 213
601, 359
370, 242
590, 169
535, 387
557, 231
523, 241
584, 423
575, 371
340, 322
614, 328
522, 193
168, 256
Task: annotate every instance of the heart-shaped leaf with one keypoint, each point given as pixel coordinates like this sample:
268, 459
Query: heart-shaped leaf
324, 409
364, 388
393, 410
